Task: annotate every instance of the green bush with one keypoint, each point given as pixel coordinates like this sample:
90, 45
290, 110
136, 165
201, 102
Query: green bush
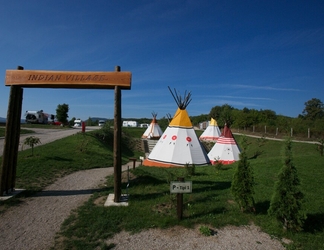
243, 182
286, 202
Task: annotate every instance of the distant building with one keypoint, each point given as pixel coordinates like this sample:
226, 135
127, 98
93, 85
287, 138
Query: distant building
203, 125
144, 125
129, 123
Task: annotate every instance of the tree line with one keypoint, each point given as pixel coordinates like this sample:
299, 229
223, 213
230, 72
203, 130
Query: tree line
312, 117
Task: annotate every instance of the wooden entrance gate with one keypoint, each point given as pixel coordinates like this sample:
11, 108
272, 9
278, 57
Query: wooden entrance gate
17, 79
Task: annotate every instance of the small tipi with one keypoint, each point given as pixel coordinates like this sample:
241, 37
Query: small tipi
179, 145
212, 132
225, 149
153, 131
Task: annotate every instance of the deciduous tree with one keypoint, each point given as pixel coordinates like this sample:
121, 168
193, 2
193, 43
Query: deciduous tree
62, 113
314, 109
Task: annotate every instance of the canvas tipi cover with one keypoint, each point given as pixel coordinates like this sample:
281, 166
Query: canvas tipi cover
225, 149
212, 132
179, 144
153, 131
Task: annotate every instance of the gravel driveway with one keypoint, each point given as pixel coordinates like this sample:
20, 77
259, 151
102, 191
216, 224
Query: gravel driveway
34, 223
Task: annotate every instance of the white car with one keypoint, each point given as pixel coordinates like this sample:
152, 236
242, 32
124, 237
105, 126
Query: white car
101, 123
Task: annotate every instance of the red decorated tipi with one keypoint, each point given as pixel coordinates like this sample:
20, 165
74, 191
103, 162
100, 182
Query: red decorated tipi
225, 149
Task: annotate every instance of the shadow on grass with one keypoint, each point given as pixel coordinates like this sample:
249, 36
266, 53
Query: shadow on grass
223, 168
57, 158
147, 180
262, 207
67, 192
314, 223
193, 175
210, 185
145, 197
219, 210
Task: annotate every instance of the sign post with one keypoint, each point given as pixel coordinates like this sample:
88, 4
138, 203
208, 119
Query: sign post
180, 187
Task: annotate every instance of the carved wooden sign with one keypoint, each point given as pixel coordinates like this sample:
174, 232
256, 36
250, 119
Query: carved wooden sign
68, 79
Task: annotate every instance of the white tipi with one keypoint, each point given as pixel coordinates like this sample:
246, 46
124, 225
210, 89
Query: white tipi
225, 149
179, 144
212, 132
153, 131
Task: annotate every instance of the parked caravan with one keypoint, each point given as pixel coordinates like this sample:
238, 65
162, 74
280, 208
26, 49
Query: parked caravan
77, 123
129, 123
36, 117
101, 123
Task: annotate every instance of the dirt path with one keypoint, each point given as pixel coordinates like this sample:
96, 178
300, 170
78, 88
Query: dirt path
34, 223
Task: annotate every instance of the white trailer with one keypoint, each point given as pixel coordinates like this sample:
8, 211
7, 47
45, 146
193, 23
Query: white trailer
101, 123
36, 117
129, 123
77, 123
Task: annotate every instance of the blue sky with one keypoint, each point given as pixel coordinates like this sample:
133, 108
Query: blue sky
254, 54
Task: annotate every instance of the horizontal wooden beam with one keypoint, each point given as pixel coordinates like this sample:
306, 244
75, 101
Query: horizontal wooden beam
68, 79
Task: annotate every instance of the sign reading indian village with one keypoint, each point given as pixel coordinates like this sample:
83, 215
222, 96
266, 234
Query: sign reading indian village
68, 79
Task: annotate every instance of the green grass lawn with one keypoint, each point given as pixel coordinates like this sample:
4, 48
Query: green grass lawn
61, 157
211, 203
151, 205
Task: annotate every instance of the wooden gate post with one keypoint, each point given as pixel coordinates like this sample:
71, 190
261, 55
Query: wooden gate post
11, 141
17, 79
117, 142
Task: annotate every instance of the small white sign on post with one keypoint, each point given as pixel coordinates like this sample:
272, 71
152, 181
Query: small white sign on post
177, 187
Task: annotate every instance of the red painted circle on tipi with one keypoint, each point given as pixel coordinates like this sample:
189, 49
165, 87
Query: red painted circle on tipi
188, 139
174, 137
164, 136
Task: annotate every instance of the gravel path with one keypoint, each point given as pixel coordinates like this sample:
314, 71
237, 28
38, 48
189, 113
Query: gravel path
179, 238
34, 223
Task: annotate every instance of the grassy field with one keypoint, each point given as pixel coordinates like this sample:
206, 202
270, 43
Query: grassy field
210, 203
61, 157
